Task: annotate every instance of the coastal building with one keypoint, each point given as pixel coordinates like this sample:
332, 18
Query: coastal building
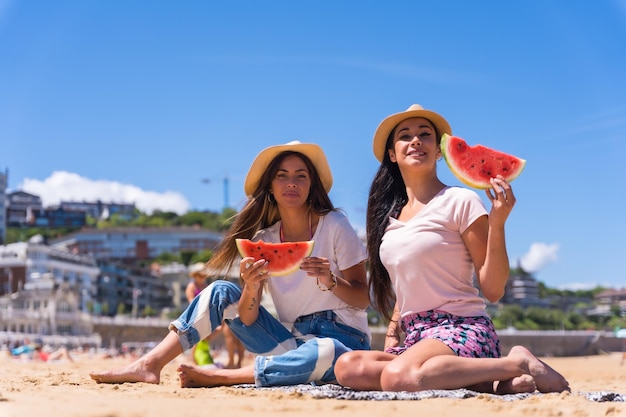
45, 291
129, 283
26, 210
611, 299
56, 295
44, 307
523, 289
100, 209
22, 207
4, 178
24, 262
133, 290
138, 243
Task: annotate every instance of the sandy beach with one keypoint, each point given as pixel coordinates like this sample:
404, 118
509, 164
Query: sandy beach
64, 389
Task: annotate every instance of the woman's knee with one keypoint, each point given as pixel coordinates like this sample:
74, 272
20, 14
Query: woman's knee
397, 377
224, 292
348, 367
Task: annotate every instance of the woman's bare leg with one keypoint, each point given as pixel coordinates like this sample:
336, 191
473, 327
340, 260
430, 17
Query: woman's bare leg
230, 345
195, 377
361, 369
233, 346
145, 369
430, 364
241, 351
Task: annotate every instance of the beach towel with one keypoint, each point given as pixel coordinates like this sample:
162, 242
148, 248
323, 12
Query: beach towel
341, 393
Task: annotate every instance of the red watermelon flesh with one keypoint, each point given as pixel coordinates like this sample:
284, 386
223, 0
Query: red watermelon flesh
282, 258
476, 165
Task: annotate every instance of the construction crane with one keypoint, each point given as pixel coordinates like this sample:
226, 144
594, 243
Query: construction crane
226, 186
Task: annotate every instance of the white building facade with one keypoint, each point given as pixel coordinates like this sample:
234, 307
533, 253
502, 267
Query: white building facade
4, 178
45, 291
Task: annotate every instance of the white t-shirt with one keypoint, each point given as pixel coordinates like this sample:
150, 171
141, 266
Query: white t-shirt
429, 265
297, 294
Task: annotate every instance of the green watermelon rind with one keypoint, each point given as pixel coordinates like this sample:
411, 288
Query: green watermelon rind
293, 267
466, 179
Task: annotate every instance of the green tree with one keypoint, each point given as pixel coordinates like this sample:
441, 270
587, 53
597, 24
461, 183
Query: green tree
509, 316
167, 258
203, 256
148, 311
186, 256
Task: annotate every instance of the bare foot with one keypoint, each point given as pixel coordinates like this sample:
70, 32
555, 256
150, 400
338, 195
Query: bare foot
192, 376
546, 378
517, 385
138, 371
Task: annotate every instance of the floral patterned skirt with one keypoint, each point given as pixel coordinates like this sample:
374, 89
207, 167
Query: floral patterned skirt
473, 337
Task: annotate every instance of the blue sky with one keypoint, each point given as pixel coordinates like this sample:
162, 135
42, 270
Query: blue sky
139, 101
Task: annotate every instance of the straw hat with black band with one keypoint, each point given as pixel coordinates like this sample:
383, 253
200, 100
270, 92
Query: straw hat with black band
261, 162
386, 126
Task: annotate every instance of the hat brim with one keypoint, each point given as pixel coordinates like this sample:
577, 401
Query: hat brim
386, 126
197, 268
261, 162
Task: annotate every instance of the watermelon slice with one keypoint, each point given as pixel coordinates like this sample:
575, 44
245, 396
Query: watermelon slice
476, 165
283, 258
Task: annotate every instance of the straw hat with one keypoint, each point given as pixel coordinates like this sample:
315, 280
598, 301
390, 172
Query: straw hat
386, 126
197, 268
263, 159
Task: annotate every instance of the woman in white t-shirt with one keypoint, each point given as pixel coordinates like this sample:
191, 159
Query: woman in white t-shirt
426, 241
320, 308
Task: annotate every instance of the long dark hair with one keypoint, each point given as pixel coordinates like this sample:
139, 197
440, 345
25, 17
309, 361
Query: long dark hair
386, 198
261, 212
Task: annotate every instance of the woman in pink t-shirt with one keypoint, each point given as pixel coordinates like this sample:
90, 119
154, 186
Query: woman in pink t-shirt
426, 241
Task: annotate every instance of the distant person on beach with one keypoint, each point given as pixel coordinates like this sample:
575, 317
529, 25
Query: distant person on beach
36, 351
201, 352
426, 242
52, 355
320, 308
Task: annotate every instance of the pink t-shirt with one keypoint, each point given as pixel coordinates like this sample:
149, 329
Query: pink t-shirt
429, 265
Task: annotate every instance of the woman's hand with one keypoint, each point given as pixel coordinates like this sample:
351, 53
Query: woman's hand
319, 268
392, 337
502, 200
253, 274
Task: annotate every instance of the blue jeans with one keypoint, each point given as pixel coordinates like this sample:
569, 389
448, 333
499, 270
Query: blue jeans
283, 358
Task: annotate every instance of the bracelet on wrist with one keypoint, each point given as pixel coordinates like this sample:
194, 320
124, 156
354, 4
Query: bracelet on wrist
331, 287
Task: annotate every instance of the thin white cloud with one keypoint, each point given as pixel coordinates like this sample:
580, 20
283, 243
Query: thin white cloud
67, 186
538, 256
579, 286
